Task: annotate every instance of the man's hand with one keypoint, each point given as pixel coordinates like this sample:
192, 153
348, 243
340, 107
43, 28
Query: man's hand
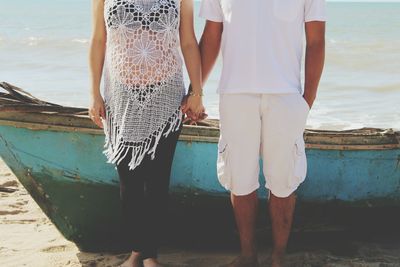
309, 99
192, 107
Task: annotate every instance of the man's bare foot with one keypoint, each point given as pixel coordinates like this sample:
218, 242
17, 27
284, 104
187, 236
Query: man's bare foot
242, 261
133, 260
277, 259
151, 263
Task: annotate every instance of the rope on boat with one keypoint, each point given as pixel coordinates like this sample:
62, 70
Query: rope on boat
18, 100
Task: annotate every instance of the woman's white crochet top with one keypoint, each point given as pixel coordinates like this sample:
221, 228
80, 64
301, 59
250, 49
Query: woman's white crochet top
143, 79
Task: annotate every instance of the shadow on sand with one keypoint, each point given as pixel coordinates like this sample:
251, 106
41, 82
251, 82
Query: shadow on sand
328, 235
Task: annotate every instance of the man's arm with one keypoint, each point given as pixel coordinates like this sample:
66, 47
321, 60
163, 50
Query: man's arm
315, 57
210, 44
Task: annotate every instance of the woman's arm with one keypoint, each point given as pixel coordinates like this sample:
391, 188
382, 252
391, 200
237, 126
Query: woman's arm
96, 61
191, 54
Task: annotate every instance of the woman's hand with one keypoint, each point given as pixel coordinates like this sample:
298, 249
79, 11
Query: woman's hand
193, 107
97, 110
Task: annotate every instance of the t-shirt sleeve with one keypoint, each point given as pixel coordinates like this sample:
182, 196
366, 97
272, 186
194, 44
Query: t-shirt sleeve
315, 10
211, 10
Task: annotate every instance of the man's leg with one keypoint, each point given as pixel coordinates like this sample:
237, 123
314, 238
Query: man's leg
284, 119
245, 209
281, 213
238, 166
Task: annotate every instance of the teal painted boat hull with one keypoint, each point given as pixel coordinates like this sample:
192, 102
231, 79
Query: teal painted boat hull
66, 172
348, 176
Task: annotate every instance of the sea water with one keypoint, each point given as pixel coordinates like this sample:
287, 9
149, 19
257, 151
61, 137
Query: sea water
44, 50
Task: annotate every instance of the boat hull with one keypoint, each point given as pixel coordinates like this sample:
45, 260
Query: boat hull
66, 173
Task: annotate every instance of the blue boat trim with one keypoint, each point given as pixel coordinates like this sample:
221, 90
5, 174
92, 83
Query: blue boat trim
363, 171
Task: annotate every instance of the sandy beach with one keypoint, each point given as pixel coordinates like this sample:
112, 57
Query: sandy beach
28, 238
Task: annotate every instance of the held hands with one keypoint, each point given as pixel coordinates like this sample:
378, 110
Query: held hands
97, 110
192, 106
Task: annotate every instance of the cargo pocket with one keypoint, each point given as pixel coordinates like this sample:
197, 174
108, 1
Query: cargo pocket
223, 171
300, 162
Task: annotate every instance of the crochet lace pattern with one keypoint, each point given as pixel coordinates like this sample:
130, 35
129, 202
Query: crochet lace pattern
143, 79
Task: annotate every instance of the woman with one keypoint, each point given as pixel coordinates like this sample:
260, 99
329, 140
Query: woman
135, 43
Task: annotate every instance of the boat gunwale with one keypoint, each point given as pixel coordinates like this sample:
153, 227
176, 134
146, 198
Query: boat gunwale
315, 139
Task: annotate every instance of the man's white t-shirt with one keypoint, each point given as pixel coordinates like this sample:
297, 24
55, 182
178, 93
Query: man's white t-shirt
262, 42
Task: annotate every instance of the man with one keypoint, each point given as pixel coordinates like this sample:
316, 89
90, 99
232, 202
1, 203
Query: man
262, 107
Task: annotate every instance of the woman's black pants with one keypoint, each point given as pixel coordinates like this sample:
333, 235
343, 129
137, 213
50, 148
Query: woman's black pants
144, 197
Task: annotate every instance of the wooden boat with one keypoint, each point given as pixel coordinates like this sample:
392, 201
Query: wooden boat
56, 153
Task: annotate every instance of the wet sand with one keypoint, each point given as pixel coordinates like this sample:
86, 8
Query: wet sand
28, 238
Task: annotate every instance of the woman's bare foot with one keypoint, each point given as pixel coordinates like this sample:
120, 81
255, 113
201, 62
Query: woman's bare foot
133, 260
151, 263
